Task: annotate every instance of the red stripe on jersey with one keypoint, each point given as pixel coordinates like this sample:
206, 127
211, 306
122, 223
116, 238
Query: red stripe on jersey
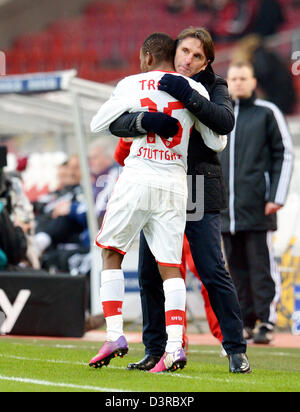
175, 317
112, 308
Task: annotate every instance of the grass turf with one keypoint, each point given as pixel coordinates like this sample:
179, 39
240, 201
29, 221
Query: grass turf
33, 365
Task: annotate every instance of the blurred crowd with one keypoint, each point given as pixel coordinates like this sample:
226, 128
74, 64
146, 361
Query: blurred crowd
232, 19
51, 233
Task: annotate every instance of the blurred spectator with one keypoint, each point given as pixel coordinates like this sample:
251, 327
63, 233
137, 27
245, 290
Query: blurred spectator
176, 6
63, 229
105, 172
257, 166
269, 18
233, 19
54, 225
274, 78
210, 5
23, 217
13, 222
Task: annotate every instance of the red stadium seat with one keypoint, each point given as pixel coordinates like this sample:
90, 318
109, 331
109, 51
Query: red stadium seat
104, 41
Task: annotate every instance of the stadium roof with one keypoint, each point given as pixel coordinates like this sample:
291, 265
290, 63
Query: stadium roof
42, 103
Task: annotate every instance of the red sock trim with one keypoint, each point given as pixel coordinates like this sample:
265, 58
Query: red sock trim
175, 317
112, 308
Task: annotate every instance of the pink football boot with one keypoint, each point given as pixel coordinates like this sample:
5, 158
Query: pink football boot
171, 362
109, 351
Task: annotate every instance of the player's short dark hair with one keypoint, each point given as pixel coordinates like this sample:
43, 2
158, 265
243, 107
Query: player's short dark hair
161, 46
204, 36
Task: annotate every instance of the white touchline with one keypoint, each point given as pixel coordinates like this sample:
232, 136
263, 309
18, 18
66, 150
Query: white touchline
174, 375
58, 384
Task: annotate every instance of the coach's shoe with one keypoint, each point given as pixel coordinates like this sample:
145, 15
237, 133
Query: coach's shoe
109, 351
145, 364
265, 334
239, 363
171, 362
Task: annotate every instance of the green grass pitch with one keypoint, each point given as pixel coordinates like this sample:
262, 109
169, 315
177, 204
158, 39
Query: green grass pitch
38, 365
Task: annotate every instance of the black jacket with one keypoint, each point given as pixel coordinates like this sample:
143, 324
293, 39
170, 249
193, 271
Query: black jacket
257, 165
217, 114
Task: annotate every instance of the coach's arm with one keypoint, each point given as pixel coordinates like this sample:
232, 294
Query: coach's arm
216, 114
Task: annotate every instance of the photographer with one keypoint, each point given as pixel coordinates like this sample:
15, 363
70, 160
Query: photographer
13, 241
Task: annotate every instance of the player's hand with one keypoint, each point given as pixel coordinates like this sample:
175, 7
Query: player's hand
272, 208
161, 124
177, 87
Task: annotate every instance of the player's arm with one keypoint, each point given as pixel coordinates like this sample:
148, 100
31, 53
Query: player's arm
118, 104
108, 112
141, 123
215, 112
214, 141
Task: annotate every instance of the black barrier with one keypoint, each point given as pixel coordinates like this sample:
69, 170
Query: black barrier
39, 304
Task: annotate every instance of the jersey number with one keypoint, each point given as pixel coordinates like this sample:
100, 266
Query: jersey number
167, 110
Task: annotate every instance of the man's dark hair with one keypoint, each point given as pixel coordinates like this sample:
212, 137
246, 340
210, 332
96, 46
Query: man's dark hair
161, 46
203, 35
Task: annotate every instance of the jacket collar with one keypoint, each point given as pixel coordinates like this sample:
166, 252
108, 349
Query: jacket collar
206, 76
246, 102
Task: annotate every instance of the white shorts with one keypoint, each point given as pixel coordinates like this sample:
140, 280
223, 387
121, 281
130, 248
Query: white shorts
161, 214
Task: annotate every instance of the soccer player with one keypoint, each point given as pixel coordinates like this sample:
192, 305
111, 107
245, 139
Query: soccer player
150, 195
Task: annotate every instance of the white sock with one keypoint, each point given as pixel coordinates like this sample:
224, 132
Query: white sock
175, 295
112, 297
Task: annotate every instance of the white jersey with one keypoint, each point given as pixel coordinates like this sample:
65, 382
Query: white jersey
156, 160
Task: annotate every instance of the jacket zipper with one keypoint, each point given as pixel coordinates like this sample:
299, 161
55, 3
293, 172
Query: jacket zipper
232, 171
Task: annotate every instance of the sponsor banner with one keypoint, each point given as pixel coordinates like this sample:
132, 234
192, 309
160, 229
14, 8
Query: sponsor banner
39, 304
36, 83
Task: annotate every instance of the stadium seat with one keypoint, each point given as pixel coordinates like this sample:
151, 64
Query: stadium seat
108, 36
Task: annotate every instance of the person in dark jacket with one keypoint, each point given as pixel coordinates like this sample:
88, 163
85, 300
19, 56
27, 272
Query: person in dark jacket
194, 56
257, 166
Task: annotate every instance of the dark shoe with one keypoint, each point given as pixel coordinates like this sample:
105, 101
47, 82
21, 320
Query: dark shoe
265, 334
238, 363
146, 364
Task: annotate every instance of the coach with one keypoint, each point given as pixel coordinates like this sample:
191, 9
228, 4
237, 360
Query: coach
194, 55
257, 165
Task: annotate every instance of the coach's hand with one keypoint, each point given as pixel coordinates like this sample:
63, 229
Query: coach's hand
160, 123
176, 86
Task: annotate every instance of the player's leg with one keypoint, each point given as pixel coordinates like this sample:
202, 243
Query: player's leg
122, 223
175, 304
153, 309
112, 297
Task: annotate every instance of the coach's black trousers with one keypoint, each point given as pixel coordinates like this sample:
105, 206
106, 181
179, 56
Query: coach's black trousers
255, 275
205, 243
